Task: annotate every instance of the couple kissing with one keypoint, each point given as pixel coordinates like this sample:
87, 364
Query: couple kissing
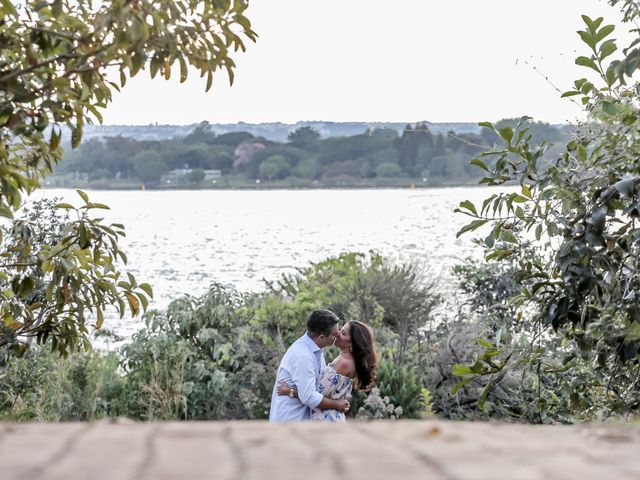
306, 388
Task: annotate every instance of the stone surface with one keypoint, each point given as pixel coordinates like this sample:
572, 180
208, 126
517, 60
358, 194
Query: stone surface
425, 450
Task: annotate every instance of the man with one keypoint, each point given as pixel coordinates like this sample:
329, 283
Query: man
300, 367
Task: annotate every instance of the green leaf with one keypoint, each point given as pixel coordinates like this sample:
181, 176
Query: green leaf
209, 81
588, 38
587, 62
183, 69
469, 206
586, 88
499, 254
154, 67
95, 112
461, 370
538, 232
506, 133
486, 343
83, 195
471, 227
100, 206
146, 288
508, 236
581, 152
587, 20
7, 8
143, 301
76, 137
604, 32
479, 163
607, 48
83, 238
100, 319
484, 394
460, 384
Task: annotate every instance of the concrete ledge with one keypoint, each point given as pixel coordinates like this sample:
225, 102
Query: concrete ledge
424, 450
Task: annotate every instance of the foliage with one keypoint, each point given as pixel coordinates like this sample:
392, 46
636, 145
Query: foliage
276, 166
378, 155
205, 358
360, 287
53, 72
304, 137
148, 166
58, 276
402, 384
55, 58
215, 357
388, 170
196, 176
581, 211
41, 386
186, 362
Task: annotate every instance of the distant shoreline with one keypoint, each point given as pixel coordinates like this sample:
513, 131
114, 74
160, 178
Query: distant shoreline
399, 186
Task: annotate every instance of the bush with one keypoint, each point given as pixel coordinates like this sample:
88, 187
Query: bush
388, 170
215, 357
42, 386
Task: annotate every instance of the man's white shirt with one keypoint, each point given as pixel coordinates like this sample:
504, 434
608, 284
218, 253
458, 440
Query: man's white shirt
299, 368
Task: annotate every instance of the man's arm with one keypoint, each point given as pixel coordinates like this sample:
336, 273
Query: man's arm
303, 377
342, 405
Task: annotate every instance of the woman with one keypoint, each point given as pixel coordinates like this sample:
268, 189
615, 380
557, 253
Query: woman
356, 364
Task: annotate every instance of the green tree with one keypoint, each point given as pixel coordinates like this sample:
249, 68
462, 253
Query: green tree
201, 134
274, 167
149, 167
582, 211
233, 139
388, 170
221, 160
304, 137
53, 72
408, 149
307, 168
196, 176
194, 156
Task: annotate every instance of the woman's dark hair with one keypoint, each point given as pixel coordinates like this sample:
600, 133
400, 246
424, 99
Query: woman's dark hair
321, 322
364, 353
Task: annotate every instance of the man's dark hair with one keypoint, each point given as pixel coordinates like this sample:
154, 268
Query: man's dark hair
321, 322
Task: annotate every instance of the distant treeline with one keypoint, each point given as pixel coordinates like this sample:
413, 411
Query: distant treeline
416, 154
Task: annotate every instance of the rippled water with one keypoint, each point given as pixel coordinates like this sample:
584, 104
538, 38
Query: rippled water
181, 241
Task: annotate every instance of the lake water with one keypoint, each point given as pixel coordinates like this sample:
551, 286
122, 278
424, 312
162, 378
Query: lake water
181, 241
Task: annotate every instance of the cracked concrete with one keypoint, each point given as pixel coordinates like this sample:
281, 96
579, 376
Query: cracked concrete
425, 450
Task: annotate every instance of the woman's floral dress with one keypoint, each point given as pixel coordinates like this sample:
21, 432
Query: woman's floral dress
333, 385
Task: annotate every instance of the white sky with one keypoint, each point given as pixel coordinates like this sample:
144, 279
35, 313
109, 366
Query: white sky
381, 60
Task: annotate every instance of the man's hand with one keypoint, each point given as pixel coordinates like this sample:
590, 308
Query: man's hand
283, 389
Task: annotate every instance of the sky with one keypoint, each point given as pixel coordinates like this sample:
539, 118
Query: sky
378, 60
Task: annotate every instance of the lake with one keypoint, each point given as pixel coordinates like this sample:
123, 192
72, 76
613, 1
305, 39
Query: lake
182, 241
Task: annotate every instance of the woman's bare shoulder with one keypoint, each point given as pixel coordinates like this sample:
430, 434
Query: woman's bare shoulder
345, 365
